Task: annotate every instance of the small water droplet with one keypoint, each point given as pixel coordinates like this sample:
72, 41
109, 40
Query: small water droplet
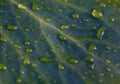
47, 19
34, 65
85, 20
62, 37
60, 10
18, 80
96, 13
17, 45
3, 67
26, 43
64, 27
92, 47
108, 61
47, 59
35, 6
102, 4
11, 27
112, 17
100, 32
28, 50
92, 66
2, 38
60, 67
73, 61
107, 69
89, 58
107, 47
26, 61
75, 15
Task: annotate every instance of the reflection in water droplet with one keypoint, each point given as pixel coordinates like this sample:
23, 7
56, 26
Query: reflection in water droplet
96, 13
100, 32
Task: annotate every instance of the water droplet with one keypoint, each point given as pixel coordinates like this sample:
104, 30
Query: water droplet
28, 50
112, 18
64, 27
108, 60
96, 13
60, 67
107, 69
26, 30
2, 38
26, 61
11, 27
18, 16
34, 65
26, 43
47, 19
100, 32
73, 61
21, 6
60, 10
3, 67
75, 15
92, 47
102, 4
18, 80
92, 66
62, 37
89, 58
47, 59
35, 6
107, 47
17, 45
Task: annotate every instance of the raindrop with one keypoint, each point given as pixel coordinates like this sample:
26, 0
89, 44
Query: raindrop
96, 13
100, 32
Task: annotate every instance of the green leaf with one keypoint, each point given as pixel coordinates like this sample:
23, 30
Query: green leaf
59, 41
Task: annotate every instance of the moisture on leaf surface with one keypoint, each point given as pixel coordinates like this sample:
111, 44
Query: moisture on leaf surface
59, 41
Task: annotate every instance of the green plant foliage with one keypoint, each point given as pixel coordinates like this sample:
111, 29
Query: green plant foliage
59, 42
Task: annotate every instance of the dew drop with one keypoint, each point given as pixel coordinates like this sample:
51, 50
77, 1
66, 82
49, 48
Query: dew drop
35, 6
96, 13
34, 65
26, 61
60, 10
92, 66
73, 61
64, 27
100, 32
107, 69
108, 61
92, 47
47, 59
89, 58
47, 19
3, 67
18, 80
62, 37
17, 46
28, 50
2, 38
75, 15
112, 17
11, 27
102, 4
107, 47
60, 67
26, 43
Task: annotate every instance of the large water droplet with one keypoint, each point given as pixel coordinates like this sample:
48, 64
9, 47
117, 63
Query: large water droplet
96, 13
